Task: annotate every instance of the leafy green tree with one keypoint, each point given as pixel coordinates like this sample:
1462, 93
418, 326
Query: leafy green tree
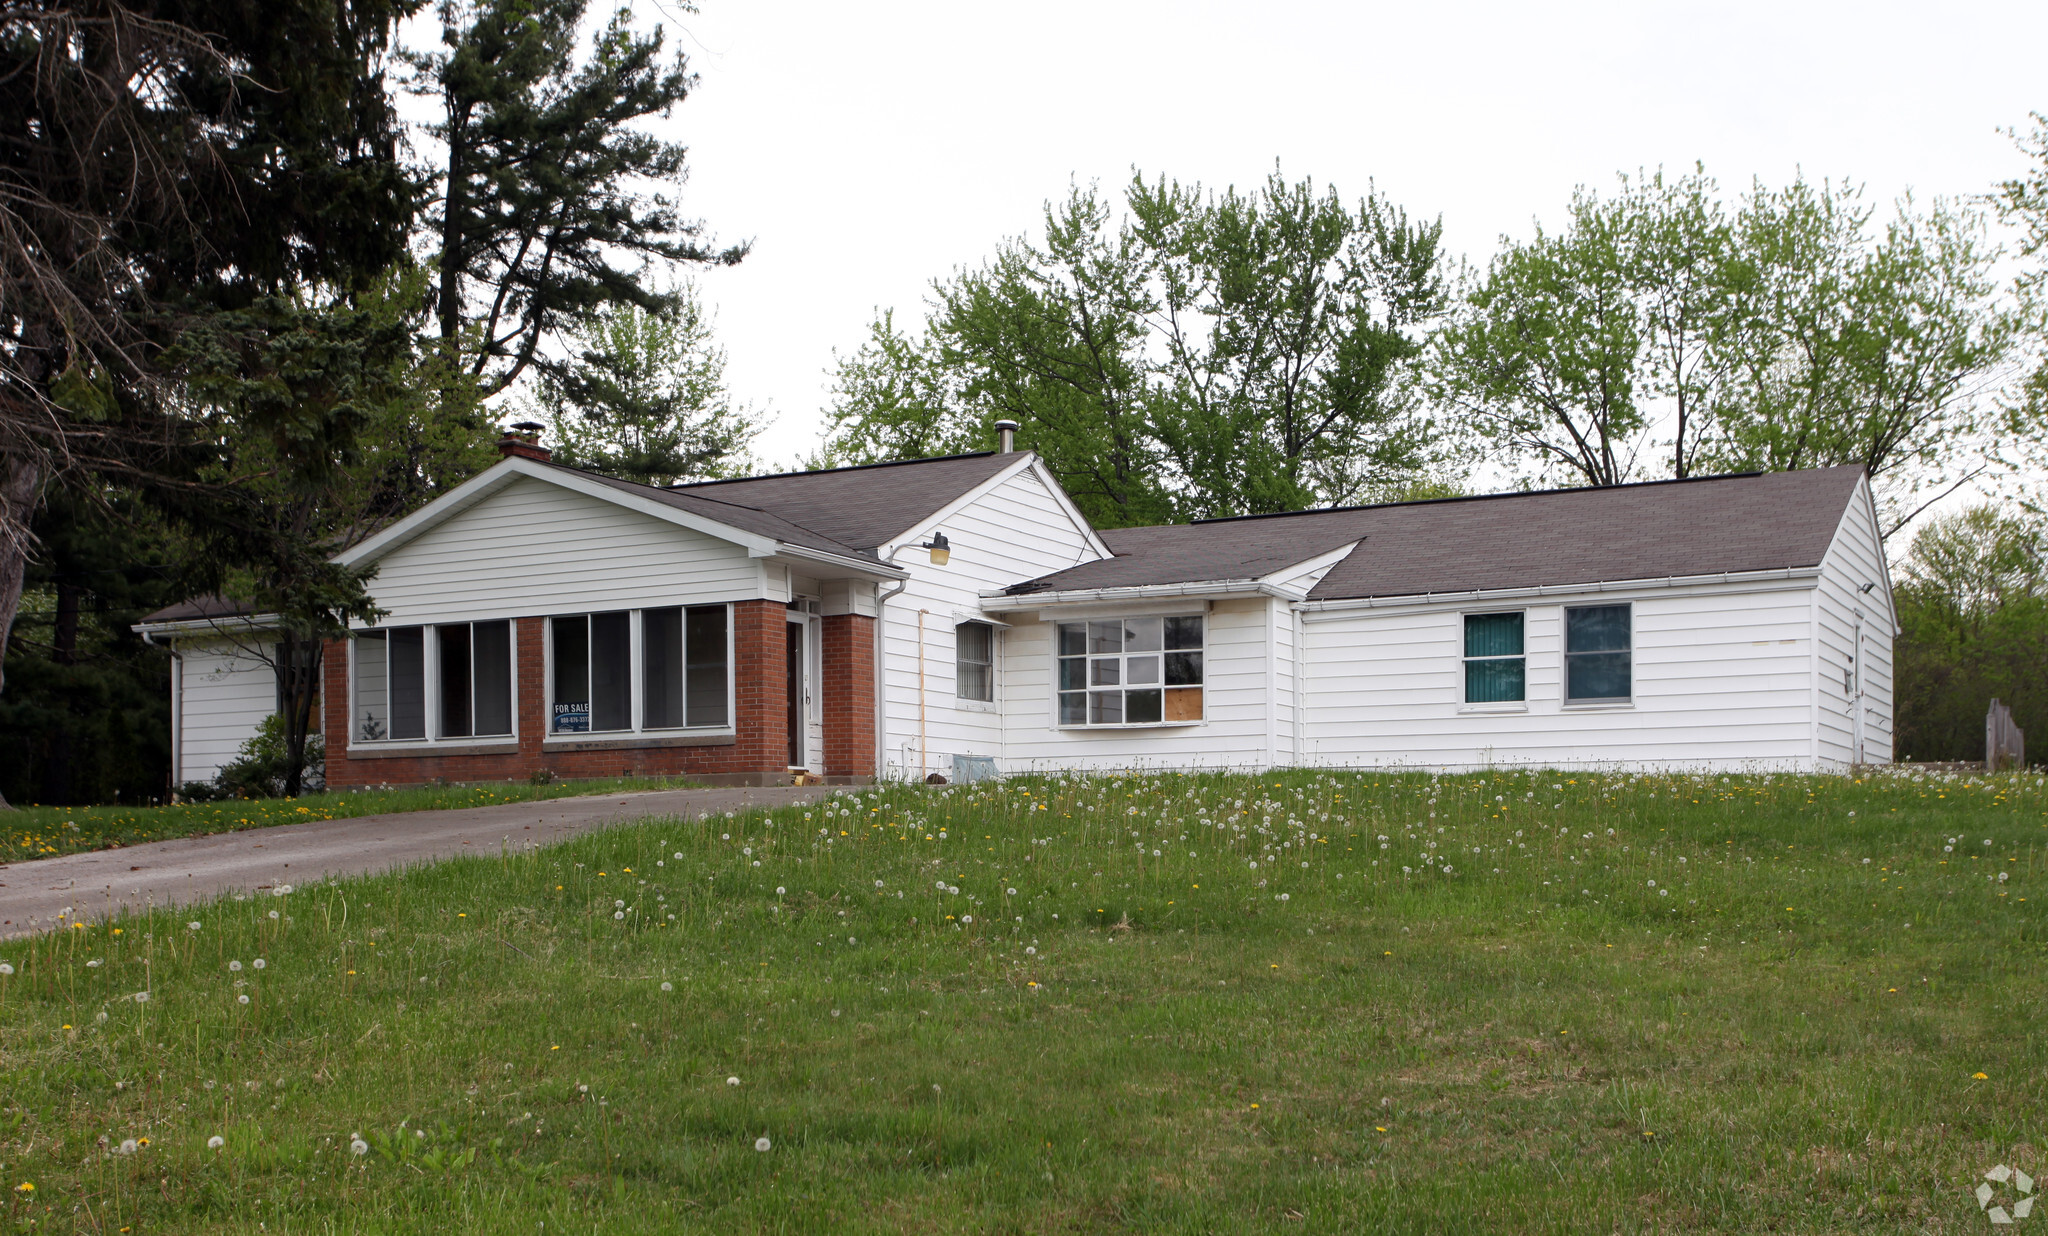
2022, 203
1198, 355
546, 190
1661, 333
646, 398
1973, 608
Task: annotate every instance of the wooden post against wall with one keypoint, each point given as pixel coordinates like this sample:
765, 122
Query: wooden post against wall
2005, 745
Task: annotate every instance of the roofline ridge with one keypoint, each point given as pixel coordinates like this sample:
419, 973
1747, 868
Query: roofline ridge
1513, 493
775, 476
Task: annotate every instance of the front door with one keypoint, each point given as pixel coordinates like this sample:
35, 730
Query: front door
794, 653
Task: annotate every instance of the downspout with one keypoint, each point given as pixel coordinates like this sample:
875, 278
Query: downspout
881, 682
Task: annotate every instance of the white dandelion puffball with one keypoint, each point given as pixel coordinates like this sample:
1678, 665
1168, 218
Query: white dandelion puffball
283, 889
732, 1081
966, 918
1653, 884
195, 926
668, 986
142, 997
619, 905
235, 966
242, 999
359, 1147
878, 884
761, 1144
128, 1146
258, 964
679, 855
273, 914
942, 886
851, 940
216, 1142
1009, 892
780, 890
757, 862
5, 969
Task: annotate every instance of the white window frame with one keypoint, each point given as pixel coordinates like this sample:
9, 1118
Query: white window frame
1491, 706
430, 668
635, 676
995, 655
1565, 654
1090, 658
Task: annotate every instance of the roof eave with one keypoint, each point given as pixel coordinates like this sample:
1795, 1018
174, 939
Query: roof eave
1215, 589
1468, 596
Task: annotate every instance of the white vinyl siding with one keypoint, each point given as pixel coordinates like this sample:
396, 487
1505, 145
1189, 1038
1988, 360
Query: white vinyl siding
1015, 530
225, 693
1841, 608
1719, 675
535, 548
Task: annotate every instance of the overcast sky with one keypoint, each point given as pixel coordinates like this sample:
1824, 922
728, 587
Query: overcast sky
867, 148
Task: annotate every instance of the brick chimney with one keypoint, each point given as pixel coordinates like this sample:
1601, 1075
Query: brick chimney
523, 440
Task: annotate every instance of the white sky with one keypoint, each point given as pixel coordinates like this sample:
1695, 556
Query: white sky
867, 148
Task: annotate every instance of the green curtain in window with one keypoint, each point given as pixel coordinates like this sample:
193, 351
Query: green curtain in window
1493, 635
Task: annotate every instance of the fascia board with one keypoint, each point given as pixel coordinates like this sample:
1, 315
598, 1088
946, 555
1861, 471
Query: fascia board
1795, 577
1003, 602
862, 566
474, 490
207, 626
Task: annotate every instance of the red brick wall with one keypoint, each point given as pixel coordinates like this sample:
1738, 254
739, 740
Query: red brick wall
758, 755
849, 695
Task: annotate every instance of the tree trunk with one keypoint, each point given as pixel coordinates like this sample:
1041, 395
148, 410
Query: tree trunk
19, 479
301, 674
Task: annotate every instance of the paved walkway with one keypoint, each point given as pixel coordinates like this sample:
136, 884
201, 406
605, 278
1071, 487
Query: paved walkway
189, 869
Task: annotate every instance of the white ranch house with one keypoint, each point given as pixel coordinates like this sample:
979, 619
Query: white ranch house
958, 616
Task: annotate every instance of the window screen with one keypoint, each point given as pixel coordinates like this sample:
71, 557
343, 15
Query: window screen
974, 661
708, 680
1130, 671
1598, 653
1495, 669
391, 684
593, 673
475, 679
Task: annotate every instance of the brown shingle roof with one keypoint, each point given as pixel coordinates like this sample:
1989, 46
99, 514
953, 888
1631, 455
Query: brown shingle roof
212, 605
860, 507
1572, 536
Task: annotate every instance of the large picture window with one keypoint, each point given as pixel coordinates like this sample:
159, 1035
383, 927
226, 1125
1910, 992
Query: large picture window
391, 684
1496, 671
974, 662
1130, 671
683, 662
476, 679
1598, 654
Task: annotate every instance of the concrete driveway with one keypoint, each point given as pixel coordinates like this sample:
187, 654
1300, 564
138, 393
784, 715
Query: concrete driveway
188, 869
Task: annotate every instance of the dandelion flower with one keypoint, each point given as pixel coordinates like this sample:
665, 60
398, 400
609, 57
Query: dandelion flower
142, 997
732, 1081
618, 914
1009, 892
761, 1144
967, 918
1031, 951
216, 1142
258, 964
235, 966
668, 986
191, 926
24, 1188
1981, 1076
780, 890
5, 969
128, 1146
359, 1147
242, 999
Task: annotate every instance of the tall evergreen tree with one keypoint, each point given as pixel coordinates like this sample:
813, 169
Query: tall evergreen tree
545, 186
211, 170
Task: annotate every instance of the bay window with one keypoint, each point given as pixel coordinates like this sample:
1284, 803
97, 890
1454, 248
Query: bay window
1130, 671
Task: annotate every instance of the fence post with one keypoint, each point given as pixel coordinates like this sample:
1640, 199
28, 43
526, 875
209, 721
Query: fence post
2005, 744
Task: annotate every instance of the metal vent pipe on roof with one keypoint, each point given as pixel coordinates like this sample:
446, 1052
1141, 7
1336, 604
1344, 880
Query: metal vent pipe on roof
1006, 437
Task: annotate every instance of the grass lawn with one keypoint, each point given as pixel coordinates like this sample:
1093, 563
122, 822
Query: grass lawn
39, 832
1543, 1003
